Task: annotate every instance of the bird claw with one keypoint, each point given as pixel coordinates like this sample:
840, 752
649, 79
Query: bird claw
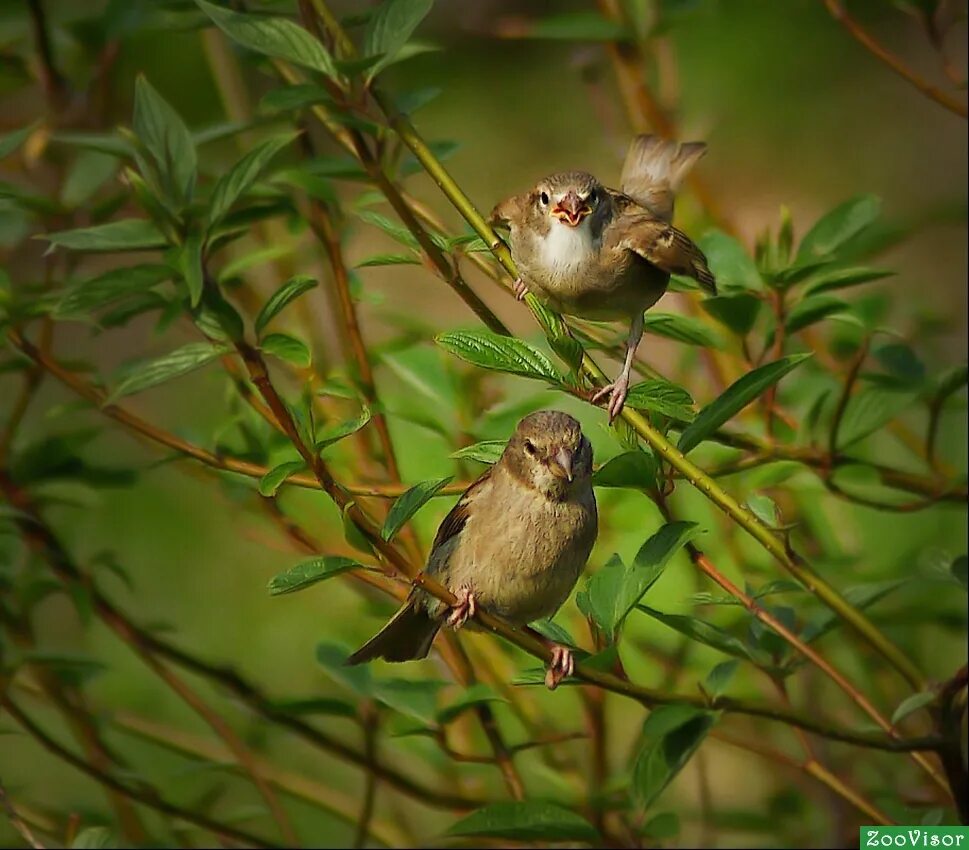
465, 608
617, 392
560, 667
520, 289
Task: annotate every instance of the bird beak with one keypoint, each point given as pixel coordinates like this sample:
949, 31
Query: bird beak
571, 209
561, 464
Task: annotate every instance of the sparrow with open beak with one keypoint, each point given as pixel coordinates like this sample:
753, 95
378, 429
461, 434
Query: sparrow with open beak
593, 252
513, 545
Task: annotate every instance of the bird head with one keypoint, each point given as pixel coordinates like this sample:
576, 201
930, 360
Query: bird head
549, 453
569, 198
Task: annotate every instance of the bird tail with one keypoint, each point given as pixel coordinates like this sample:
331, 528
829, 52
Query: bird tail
654, 169
408, 636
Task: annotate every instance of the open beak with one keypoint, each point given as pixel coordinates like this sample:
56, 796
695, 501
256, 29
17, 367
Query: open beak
571, 209
561, 464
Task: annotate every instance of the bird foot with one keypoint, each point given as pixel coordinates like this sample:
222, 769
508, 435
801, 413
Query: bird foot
560, 667
617, 392
520, 289
465, 608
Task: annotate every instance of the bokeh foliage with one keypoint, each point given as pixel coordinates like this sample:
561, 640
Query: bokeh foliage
224, 237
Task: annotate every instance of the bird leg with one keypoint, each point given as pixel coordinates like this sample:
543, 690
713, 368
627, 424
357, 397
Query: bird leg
465, 608
619, 389
560, 667
520, 289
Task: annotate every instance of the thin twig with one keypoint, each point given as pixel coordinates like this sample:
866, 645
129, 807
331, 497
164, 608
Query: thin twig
16, 821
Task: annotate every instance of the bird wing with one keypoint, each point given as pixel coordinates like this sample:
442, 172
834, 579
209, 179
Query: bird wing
654, 169
661, 245
457, 517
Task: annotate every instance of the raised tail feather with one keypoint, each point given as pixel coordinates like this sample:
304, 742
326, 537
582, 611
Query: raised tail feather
654, 169
408, 636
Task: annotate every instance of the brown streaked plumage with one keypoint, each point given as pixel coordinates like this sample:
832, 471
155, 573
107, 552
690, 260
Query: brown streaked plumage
514, 544
594, 252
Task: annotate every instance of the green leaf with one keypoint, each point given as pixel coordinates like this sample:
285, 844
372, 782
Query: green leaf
813, 309
276, 477
90, 171
487, 451
161, 130
237, 181
353, 533
735, 398
737, 312
391, 25
729, 261
861, 596
416, 699
94, 838
299, 96
705, 633
276, 37
612, 592
310, 572
332, 658
343, 429
719, 677
395, 231
869, 410
389, 260
559, 338
179, 362
682, 329
901, 362
911, 704
190, 262
662, 397
409, 504
664, 754
527, 820
82, 298
127, 234
764, 508
9, 142
287, 348
635, 469
288, 292
501, 353
837, 227
577, 26
844, 278
959, 568
477, 694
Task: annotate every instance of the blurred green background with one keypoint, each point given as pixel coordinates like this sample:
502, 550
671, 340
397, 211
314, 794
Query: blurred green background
794, 113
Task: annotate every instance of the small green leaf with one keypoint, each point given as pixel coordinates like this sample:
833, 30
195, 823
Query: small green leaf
705, 633
161, 130
190, 262
276, 477
487, 451
82, 298
635, 469
830, 279
353, 533
276, 37
237, 181
416, 699
527, 820
9, 142
288, 292
289, 98
172, 365
682, 329
662, 397
95, 838
719, 677
287, 348
310, 572
764, 508
663, 826
343, 429
409, 504
837, 227
664, 755
737, 312
395, 231
127, 234
332, 658
861, 596
389, 260
730, 263
559, 338
391, 25
735, 398
477, 694
912, 704
501, 353
90, 171
869, 410
813, 309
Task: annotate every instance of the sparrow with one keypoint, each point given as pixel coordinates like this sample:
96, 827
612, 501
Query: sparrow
589, 251
513, 545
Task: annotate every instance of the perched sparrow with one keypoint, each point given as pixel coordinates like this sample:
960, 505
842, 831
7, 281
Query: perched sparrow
593, 252
514, 544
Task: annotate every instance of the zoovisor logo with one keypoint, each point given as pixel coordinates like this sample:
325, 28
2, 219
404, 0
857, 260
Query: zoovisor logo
914, 836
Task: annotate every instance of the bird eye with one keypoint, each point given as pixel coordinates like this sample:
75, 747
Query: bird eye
530, 447
544, 199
